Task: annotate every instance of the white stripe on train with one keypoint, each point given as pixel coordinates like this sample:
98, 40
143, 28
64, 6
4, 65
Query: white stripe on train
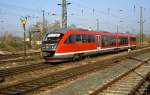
88, 51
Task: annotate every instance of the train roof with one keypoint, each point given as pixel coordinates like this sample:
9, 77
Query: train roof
122, 34
62, 30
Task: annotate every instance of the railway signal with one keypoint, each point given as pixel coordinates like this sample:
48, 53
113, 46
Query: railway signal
23, 22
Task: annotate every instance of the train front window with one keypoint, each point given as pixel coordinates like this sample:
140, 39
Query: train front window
52, 38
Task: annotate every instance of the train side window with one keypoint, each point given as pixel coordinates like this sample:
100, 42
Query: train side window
70, 39
113, 41
108, 41
78, 38
103, 41
85, 38
91, 39
133, 39
123, 40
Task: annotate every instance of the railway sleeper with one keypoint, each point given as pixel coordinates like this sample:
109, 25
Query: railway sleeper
9, 93
144, 89
117, 92
121, 88
2, 79
125, 82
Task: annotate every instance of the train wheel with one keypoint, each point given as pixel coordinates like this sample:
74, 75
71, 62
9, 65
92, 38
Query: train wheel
46, 61
76, 57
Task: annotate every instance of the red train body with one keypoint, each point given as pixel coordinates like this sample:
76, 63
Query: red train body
72, 44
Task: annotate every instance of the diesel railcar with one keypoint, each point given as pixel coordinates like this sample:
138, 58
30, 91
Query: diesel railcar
64, 44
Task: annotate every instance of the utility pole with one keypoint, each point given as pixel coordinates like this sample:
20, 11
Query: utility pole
108, 11
93, 11
141, 26
97, 20
30, 38
82, 12
43, 26
64, 13
117, 36
117, 29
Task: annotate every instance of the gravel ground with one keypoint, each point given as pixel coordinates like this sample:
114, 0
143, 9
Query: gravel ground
1, 52
23, 77
41, 73
11, 80
85, 85
127, 84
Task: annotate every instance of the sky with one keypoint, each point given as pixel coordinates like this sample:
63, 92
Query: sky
82, 13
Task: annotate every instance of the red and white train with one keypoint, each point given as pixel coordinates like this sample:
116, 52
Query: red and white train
62, 44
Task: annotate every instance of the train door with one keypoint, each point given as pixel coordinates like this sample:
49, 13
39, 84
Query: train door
98, 42
129, 44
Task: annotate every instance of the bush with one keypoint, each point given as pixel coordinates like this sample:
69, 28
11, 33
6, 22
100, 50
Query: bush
8, 42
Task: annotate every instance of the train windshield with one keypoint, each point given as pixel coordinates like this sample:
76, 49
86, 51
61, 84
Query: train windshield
52, 38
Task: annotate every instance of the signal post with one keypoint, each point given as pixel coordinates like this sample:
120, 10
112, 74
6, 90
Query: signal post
23, 22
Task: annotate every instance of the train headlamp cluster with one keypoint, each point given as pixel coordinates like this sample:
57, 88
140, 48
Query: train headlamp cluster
49, 46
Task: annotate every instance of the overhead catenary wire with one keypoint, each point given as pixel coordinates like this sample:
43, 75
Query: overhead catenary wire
95, 10
29, 11
18, 7
97, 14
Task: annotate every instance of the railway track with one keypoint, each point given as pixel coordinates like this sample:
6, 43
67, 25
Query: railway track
37, 66
21, 59
54, 78
95, 83
23, 69
145, 87
15, 60
126, 83
51, 79
15, 75
8, 56
28, 68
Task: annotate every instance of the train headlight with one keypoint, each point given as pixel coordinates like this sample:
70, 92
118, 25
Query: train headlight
43, 47
45, 54
49, 46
